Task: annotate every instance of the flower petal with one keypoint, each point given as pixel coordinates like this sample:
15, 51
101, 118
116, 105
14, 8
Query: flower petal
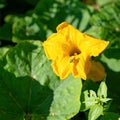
81, 66
55, 46
92, 46
62, 67
71, 51
72, 35
82, 41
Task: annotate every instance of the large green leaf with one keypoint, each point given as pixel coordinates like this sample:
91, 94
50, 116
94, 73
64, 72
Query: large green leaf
31, 88
22, 96
28, 59
66, 102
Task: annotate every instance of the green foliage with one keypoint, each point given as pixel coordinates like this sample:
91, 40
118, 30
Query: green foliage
39, 22
3, 51
105, 25
29, 27
102, 91
95, 112
29, 89
106, 22
95, 102
2, 3
6, 28
64, 10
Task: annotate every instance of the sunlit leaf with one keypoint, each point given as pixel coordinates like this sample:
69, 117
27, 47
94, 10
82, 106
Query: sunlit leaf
88, 99
102, 90
29, 85
66, 102
95, 112
3, 51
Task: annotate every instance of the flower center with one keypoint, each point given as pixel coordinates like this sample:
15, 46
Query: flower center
74, 53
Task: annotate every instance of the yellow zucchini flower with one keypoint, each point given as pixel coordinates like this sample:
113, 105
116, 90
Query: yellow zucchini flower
71, 51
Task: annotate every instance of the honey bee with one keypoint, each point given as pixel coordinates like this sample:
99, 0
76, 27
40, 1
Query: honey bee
72, 59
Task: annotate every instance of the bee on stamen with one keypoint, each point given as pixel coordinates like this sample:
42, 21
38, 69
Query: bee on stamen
72, 59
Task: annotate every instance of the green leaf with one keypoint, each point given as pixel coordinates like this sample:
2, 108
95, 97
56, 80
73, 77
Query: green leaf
66, 101
106, 20
10, 18
79, 15
28, 59
3, 50
75, 13
28, 28
95, 112
102, 90
20, 96
36, 91
112, 62
88, 99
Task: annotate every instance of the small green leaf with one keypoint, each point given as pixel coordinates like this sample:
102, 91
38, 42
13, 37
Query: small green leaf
104, 100
95, 112
102, 90
3, 51
88, 99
